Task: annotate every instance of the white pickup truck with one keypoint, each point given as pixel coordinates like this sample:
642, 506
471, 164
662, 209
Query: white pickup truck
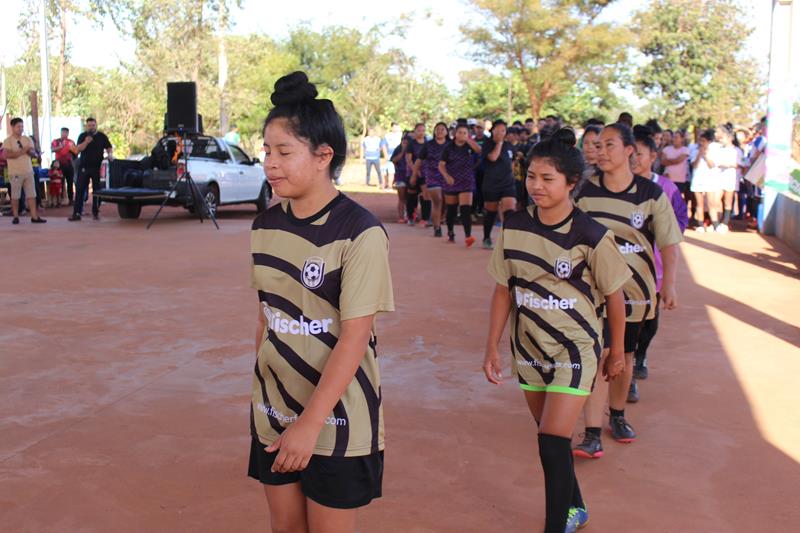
223, 172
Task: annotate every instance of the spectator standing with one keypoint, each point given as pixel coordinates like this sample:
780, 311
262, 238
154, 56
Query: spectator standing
91, 145
65, 150
674, 158
56, 179
372, 145
391, 140
19, 150
233, 137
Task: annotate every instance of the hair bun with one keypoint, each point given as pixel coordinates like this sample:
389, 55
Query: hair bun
292, 89
566, 136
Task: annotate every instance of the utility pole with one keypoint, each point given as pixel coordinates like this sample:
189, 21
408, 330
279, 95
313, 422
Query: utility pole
46, 131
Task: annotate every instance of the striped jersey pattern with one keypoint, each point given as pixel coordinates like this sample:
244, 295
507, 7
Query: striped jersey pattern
558, 277
311, 274
640, 217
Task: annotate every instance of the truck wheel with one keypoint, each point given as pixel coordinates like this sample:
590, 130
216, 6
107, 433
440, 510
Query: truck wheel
128, 210
212, 198
263, 199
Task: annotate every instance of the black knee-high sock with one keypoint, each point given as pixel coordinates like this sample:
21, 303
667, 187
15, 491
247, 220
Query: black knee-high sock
507, 213
466, 219
488, 224
450, 217
577, 497
559, 479
426, 209
726, 216
411, 204
646, 335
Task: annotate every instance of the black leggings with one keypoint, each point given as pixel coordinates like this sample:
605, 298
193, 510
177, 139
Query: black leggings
465, 212
646, 335
412, 197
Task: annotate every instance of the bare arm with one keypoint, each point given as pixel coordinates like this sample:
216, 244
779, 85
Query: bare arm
415, 171
614, 365
443, 170
340, 368
499, 310
262, 325
296, 444
669, 296
82, 146
12, 152
472, 144
668, 162
495, 153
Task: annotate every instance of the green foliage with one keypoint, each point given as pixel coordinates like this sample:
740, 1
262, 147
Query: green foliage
552, 54
486, 96
694, 66
552, 45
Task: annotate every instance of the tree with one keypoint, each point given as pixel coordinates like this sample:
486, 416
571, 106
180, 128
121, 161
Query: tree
486, 95
177, 42
694, 64
552, 44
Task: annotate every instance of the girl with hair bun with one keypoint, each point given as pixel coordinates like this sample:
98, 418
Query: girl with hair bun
320, 266
554, 266
640, 216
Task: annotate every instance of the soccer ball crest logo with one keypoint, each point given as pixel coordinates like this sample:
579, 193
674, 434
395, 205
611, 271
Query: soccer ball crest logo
563, 267
313, 272
637, 219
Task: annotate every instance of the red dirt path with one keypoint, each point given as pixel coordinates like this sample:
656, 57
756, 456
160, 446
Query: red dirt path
125, 370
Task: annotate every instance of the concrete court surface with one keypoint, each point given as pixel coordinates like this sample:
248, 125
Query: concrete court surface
125, 371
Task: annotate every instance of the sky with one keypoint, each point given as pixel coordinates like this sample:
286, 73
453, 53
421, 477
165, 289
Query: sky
434, 38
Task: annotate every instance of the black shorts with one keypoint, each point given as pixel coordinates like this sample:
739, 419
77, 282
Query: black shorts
632, 331
338, 482
495, 195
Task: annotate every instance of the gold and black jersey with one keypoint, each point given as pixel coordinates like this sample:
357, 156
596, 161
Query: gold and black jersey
640, 217
311, 274
558, 277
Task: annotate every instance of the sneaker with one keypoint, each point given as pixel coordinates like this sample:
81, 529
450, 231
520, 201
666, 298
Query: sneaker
487, 244
15, 221
640, 372
621, 430
722, 228
74, 217
410, 222
451, 237
469, 241
428, 224
38, 220
401, 221
590, 448
422, 223
633, 392
437, 232
700, 229
577, 518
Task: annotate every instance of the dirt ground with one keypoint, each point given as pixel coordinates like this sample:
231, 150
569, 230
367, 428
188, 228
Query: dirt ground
125, 372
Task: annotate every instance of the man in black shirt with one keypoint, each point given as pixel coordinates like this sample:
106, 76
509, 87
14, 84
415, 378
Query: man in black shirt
91, 145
